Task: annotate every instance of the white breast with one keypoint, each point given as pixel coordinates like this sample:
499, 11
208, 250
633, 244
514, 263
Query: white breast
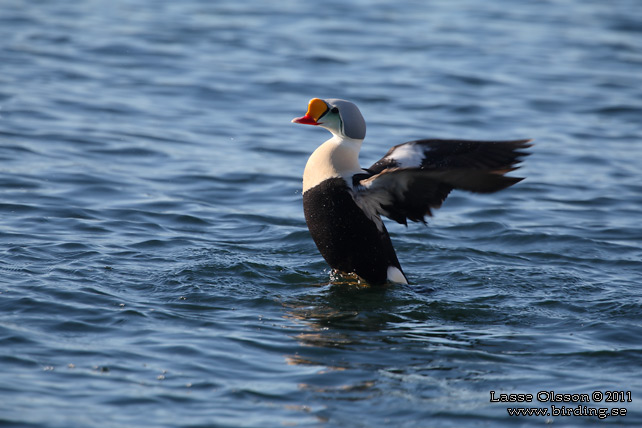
337, 157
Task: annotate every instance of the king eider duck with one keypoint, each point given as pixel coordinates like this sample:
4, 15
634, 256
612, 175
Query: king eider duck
343, 202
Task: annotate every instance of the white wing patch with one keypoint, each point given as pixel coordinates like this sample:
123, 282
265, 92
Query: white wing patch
409, 155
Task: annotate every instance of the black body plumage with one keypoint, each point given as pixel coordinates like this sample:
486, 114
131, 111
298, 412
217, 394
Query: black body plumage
346, 238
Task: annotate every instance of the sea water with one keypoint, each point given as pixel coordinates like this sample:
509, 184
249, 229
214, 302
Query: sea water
156, 269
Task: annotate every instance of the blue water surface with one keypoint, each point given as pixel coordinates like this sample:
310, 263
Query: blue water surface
156, 269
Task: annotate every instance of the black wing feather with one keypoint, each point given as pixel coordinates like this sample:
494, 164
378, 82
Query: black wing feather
415, 177
457, 154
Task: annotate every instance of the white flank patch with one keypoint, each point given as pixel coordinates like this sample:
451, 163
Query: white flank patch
408, 155
395, 275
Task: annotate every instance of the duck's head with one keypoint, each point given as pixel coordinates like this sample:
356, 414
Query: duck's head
340, 117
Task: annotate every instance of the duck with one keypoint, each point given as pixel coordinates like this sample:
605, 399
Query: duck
343, 203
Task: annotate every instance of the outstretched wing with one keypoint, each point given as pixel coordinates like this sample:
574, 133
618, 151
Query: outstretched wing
415, 177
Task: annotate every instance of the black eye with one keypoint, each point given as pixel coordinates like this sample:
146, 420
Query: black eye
334, 110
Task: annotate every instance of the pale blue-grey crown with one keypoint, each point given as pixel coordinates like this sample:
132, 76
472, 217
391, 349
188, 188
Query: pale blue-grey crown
354, 125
